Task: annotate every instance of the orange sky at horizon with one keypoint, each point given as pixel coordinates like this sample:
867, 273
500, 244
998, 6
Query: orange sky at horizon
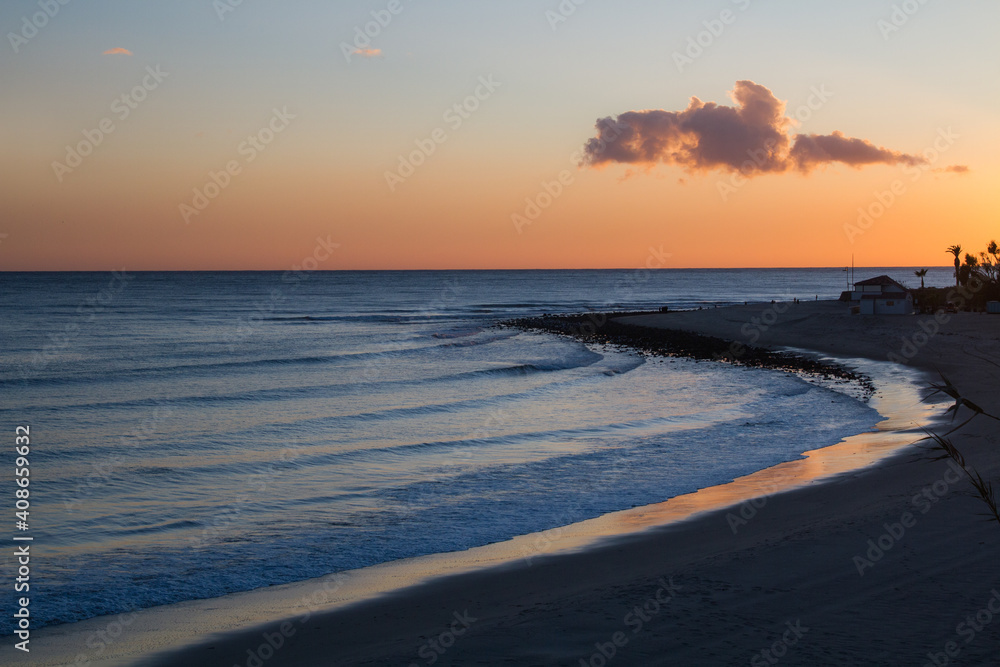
602, 220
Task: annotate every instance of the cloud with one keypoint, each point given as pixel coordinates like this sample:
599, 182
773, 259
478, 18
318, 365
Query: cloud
816, 149
117, 51
752, 137
367, 53
960, 169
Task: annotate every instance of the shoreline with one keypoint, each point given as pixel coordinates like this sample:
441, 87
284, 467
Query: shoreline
631, 546
230, 614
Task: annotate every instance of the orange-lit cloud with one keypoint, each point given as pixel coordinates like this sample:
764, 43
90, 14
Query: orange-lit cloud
960, 169
117, 51
752, 137
367, 53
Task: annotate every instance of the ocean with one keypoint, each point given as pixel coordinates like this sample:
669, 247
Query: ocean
197, 434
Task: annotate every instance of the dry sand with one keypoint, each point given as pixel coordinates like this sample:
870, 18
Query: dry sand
787, 581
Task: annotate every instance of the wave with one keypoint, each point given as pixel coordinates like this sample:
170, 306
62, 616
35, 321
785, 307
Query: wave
403, 317
65, 377
164, 527
459, 333
350, 388
317, 460
310, 427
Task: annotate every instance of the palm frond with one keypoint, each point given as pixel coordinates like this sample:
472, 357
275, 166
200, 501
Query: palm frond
946, 446
948, 389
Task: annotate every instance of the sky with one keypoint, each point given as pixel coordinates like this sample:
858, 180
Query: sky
423, 134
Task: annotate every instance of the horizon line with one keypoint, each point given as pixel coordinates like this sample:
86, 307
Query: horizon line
624, 268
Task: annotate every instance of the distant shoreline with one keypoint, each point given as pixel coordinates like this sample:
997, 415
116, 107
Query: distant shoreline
609, 329
440, 270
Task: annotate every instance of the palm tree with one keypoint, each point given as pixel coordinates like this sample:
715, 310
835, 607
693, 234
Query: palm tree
920, 274
968, 269
956, 250
989, 263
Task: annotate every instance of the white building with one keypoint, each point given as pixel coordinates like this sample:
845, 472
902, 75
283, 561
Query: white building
882, 296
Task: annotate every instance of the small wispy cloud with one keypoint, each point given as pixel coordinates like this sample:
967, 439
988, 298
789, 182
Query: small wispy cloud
367, 53
117, 51
961, 169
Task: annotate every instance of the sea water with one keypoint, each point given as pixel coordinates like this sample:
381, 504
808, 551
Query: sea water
196, 434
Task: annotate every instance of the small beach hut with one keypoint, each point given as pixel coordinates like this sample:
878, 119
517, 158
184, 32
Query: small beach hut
882, 296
